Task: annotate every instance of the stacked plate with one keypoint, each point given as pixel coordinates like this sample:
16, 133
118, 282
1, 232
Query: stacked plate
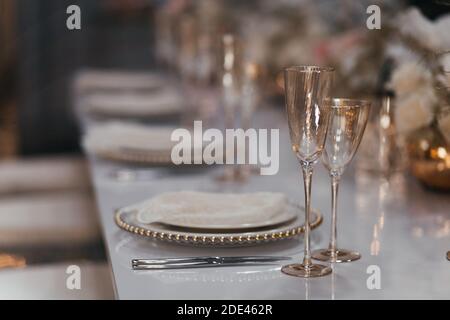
130, 142
158, 104
127, 94
98, 80
207, 219
134, 143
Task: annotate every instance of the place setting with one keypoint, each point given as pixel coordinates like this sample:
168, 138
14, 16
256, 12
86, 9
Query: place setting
140, 144
321, 129
213, 219
130, 142
129, 95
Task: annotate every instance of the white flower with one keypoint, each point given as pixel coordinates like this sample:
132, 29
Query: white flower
409, 78
415, 110
399, 52
413, 24
442, 27
432, 35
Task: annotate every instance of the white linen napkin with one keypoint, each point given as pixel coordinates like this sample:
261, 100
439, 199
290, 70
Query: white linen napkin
204, 208
116, 136
97, 79
162, 102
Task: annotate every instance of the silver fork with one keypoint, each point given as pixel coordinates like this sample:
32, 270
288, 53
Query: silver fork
198, 262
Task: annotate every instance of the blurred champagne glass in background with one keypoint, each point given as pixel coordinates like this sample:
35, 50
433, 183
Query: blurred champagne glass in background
165, 47
205, 82
382, 151
250, 98
230, 80
186, 65
230, 98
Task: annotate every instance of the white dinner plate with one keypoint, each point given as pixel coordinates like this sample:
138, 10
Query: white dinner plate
233, 225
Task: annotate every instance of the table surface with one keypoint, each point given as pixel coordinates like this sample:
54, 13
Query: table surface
401, 230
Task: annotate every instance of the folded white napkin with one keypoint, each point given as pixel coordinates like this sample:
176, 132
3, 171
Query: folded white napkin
204, 209
162, 102
31, 174
94, 79
116, 136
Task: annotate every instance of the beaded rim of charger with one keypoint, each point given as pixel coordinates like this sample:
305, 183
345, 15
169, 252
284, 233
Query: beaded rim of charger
253, 238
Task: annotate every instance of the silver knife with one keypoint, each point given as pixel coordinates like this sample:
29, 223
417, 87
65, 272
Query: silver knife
198, 262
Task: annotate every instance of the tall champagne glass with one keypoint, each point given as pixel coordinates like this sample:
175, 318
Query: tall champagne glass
347, 123
308, 109
230, 96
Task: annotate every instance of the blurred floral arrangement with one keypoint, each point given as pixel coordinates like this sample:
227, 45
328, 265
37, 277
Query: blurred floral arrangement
311, 32
275, 34
421, 83
408, 57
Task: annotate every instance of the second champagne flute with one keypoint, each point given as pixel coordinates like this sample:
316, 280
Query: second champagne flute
308, 108
347, 123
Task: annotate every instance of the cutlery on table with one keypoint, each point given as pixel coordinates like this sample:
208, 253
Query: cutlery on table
198, 262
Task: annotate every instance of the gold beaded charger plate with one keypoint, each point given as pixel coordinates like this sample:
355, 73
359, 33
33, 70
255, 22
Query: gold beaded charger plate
127, 220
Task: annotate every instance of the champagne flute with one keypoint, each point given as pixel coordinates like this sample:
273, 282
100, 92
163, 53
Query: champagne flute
230, 97
250, 98
308, 109
347, 123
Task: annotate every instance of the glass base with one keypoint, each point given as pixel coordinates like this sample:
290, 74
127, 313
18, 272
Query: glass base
341, 255
232, 175
303, 271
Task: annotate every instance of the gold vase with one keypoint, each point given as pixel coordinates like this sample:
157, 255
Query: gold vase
429, 158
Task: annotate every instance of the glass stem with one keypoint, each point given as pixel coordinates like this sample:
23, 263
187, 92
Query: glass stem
334, 194
307, 175
244, 169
